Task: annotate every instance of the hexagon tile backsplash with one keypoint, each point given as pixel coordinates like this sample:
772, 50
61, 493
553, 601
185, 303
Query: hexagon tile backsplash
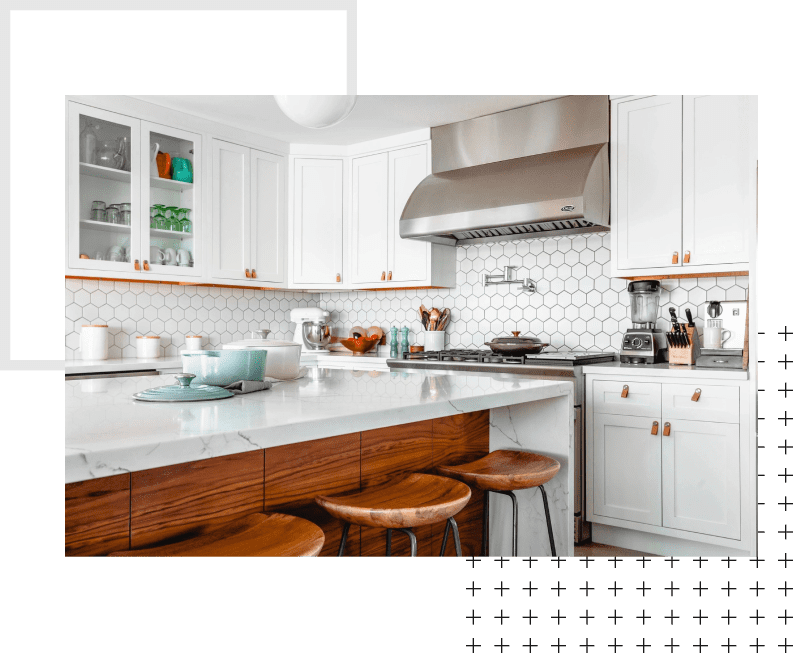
131, 309
577, 306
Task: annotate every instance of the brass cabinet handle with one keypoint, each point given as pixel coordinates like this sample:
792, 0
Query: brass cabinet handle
338, 277
146, 265
687, 256
674, 257
383, 276
253, 275
654, 429
247, 272
136, 265
667, 429
390, 275
624, 392
696, 395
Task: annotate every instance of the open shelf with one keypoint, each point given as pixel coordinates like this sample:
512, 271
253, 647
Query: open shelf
107, 226
163, 233
169, 184
105, 172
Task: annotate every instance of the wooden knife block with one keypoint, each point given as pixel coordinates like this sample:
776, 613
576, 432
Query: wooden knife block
686, 356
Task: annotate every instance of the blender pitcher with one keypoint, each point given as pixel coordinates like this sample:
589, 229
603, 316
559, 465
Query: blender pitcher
644, 303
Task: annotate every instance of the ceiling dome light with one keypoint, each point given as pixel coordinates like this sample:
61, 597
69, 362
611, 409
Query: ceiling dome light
317, 111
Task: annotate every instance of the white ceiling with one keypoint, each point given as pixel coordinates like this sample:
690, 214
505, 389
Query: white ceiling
373, 117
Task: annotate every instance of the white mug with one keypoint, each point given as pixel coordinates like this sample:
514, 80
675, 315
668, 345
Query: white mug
183, 257
156, 255
170, 256
714, 337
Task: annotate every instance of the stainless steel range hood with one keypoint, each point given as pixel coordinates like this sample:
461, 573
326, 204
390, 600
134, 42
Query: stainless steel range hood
534, 171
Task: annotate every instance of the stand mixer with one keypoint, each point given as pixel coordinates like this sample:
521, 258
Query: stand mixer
312, 329
643, 343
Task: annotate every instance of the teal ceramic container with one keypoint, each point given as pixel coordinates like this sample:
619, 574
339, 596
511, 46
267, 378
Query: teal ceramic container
182, 170
224, 367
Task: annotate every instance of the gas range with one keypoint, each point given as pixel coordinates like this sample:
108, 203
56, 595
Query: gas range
565, 366
481, 357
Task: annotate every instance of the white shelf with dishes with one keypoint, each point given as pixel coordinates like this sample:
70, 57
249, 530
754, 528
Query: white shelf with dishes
87, 169
169, 184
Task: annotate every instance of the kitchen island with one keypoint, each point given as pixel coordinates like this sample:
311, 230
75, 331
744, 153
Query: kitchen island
141, 473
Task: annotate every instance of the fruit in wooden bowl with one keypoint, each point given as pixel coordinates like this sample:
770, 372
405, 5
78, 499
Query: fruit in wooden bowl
360, 344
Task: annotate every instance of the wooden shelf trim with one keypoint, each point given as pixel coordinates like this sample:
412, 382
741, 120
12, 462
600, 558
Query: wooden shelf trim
697, 275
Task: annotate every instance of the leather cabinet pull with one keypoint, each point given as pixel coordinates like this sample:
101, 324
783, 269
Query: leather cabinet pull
696, 395
624, 391
654, 429
674, 257
687, 256
667, 429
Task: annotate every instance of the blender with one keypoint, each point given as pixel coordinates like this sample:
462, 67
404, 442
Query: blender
643, 343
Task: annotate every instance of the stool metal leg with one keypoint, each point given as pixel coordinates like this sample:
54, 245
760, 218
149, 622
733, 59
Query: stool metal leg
344, 538
412, 538
549, 525
388, 542
514, 518
485, 535
456, 538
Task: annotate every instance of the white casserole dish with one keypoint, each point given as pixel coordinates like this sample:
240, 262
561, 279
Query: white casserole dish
283, 357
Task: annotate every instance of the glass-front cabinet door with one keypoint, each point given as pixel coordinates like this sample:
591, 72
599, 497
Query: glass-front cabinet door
103, 193
170, 162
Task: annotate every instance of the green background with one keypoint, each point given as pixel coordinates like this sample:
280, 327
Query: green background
386, 608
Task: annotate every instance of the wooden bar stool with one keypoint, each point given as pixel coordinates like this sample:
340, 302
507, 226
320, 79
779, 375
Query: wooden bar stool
271, 534
502, 472
413, 500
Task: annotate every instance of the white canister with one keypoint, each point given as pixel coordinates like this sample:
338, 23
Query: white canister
94, 342
434, 340
148, 347
194, 342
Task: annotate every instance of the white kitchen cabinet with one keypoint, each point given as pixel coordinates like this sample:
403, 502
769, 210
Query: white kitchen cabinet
369, 233
248, 225
379, 257
412, 261
317, 222
95, 174
230, 214
647, 154
268, 217
627, 468
702, 490
683, 184
719, 177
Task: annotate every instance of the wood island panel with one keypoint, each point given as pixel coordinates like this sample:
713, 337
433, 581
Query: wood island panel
174, 503
387, 453
97, 516
295, 474
457, 440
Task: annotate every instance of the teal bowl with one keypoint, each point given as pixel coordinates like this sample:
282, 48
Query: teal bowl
224, 367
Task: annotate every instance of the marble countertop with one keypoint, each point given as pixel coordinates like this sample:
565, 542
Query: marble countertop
108, 432
665, 371
126, 364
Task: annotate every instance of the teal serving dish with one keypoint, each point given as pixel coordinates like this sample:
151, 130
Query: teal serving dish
224, 367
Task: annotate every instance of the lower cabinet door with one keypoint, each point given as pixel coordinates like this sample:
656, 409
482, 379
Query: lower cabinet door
702, 485
627, 468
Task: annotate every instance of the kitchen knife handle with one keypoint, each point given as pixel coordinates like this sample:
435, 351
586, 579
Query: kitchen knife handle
689, 317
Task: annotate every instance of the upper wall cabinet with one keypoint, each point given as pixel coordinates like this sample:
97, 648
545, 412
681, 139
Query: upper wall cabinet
247, 219
683, 184
379, 258
317, 222
130, 214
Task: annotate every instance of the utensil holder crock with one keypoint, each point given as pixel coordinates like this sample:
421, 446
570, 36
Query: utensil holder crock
434, 340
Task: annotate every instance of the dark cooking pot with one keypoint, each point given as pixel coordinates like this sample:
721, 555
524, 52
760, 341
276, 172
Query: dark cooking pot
516, 346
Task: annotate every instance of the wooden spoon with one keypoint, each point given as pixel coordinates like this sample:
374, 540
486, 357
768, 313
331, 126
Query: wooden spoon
435, 313
443, 320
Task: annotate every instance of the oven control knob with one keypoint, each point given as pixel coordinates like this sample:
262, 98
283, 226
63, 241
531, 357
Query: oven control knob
637, 343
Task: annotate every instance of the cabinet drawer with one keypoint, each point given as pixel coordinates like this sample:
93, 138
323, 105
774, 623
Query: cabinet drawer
643, 399
715, 403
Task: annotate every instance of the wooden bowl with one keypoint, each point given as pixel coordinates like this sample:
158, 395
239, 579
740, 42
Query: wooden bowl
361, 345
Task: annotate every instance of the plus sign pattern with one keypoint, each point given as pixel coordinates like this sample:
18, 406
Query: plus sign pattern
655, 605
577, 306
